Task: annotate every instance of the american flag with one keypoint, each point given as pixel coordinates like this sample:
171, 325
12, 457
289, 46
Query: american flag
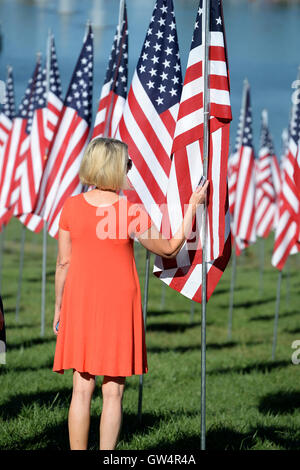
149, 118
243, 225
184, 273
288, 226
14, 152
265, 197
233, 161
45, 124
7, 113
34, 148
114, 90
60, 177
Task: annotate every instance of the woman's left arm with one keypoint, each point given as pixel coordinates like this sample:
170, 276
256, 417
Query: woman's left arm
62, 267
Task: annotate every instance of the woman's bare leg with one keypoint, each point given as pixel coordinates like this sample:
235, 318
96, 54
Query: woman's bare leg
79, 412
111, 416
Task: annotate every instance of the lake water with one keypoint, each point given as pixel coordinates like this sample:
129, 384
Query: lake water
263, 45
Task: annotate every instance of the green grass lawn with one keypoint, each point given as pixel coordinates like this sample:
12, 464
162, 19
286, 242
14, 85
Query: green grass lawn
252, 401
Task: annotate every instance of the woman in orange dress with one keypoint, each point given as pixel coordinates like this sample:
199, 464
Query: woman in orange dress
98, 312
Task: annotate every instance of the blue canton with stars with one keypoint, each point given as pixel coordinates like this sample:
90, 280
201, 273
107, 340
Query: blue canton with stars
54, 77
266, 139
79, 95
295, 119
9, 100
159, 68
117, 70
216, 23
247, 139
26, 107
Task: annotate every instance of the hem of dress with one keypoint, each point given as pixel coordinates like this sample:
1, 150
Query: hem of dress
62, 371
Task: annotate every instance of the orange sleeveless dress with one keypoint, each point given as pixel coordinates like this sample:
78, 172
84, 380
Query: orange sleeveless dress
101, 327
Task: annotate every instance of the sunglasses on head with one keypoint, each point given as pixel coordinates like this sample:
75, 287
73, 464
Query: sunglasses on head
129, 164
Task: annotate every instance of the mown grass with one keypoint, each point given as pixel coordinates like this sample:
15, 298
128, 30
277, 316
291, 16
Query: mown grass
252, 401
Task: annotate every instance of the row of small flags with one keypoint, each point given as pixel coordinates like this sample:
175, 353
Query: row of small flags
161, 120
265, 195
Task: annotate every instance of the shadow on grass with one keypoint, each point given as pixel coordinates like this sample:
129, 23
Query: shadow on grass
283, 402
49, 274
173, 327
264, 367
164, 312
251, 303
47, 365
14, 405
29, 343
271, 317
225, 438
195, 347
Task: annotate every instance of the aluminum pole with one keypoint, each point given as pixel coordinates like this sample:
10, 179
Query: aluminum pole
23, 236
276, 315
261, 265
232, 286
204, 223
146, 289
45, 230
2, 253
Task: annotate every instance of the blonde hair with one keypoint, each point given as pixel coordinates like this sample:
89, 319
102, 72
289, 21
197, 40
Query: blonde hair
104, 164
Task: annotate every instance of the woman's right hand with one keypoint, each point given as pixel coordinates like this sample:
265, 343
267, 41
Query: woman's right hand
56, 320
198, 196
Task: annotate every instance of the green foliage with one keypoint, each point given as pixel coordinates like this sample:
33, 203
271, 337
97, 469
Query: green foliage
252, 401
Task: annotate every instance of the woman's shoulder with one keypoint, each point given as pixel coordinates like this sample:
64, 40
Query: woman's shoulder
73, 200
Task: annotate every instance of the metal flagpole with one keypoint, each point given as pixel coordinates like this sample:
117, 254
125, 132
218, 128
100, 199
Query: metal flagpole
232, 286
288, 281
262, 264
45, 230
234, 257
45, 227
204, 247
146, 289
23, 236
276, 314
1, 254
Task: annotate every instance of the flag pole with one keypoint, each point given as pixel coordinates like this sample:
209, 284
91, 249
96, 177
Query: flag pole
233, 272
232, 286
262, 264
204, 247
45, 227
276, 314
23, 236
145, 306
1, 253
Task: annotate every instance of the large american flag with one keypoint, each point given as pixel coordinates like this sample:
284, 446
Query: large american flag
184, 273
7, 113
114, 90
288, 226
149, 118
243, 225
45, 124
14, 152
60, 177
265, 196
